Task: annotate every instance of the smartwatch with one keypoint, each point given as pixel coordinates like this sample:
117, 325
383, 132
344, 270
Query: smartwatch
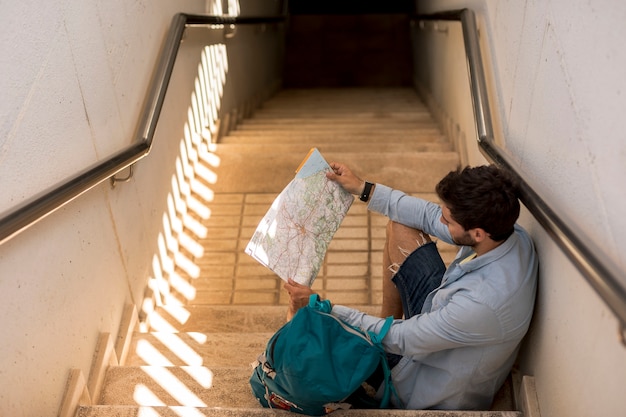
365, 195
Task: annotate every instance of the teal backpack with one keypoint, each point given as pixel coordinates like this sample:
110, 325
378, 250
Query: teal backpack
316, 361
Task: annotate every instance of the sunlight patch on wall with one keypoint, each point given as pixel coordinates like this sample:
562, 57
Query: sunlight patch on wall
174, 266
188, 202
233, 7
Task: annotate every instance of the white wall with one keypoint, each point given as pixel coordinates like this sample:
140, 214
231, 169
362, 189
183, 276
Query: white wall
560, 94
74, 78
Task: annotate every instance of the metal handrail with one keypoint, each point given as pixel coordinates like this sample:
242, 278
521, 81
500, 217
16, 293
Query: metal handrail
39, 206
600, 273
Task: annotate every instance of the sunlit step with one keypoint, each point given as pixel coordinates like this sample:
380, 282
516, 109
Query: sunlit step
356, 129
218, 319
333, 116
196, 349
225, 319
367, 125
303, 147
343, 110
271, 171
194, 386
408, 136
347, 119
161, 411
405, 112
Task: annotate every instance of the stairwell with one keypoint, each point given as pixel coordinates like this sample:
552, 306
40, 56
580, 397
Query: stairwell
191, 355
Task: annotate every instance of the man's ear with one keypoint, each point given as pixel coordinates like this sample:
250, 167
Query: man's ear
479, 234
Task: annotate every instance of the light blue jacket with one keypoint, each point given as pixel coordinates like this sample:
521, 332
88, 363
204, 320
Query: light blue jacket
460, 349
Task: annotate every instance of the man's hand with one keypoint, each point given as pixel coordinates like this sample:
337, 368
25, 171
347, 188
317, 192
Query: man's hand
344, 177
298, 296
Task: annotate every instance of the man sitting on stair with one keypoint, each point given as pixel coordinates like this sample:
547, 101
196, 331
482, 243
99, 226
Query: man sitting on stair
457, 331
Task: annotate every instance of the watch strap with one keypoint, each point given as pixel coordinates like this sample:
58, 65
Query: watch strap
365, 195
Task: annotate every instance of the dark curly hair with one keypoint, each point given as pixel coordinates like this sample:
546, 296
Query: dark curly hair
483, 197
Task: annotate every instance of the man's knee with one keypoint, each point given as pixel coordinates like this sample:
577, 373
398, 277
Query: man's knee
401, 235
401, 242
397, 231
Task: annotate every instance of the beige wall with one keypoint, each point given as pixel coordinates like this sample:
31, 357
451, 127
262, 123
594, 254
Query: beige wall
558, 98
74, 77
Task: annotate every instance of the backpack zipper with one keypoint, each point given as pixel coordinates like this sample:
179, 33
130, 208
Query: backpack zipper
350, 329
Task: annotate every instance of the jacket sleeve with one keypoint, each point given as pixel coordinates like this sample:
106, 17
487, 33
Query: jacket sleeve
461, 322
409, 211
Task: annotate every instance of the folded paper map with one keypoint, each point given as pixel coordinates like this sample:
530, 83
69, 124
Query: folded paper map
294, 235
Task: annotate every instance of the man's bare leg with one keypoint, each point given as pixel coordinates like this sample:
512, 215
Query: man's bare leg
400, 242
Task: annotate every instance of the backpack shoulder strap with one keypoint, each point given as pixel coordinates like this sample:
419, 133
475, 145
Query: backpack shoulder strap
378, 338
389, 389
317, 304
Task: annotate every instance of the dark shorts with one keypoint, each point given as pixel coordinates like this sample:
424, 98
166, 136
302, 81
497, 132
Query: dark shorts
420, 274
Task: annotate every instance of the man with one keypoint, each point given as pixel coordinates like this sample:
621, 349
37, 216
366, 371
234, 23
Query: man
457, 331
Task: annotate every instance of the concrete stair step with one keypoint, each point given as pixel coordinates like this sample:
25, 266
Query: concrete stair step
354, 102
198, 386
374, 95
404, 112
347, 121
163, 411
224, 319
325, 116
304, 146
344, 105
218, 319
343, 108
271, 172
193, 386
196, 349
356, 126
319, 138
391, 133
256, 291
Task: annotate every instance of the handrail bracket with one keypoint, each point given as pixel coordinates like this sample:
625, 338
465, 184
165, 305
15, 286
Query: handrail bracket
114, 179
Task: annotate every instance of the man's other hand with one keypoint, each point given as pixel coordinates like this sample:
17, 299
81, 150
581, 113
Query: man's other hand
298, 296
